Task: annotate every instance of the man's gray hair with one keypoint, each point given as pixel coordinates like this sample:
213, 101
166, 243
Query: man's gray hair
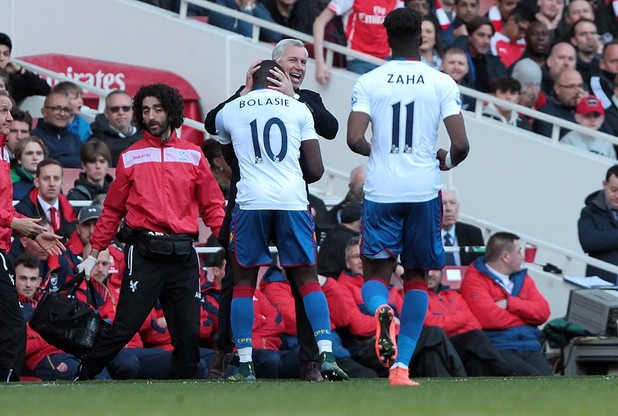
280, 47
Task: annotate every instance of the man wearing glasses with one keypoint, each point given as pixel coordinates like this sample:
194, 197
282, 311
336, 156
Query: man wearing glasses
114, 126
63, 145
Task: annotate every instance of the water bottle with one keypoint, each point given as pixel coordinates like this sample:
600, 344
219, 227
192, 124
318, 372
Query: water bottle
91, 332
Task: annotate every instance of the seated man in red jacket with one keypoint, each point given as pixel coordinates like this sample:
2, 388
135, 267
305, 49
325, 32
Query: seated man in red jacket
42, 359
506, 302
277, 289
448, 310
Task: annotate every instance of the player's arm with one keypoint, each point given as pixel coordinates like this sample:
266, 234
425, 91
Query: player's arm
357, 125
459, 143
314, 168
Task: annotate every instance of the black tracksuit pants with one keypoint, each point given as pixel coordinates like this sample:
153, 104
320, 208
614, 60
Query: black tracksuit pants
174, 280
12, 325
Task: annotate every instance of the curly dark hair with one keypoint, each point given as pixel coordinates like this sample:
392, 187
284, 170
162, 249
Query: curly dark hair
403, 27
170, 99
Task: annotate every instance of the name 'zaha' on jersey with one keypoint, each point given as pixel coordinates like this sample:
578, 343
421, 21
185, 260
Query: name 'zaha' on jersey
404, 79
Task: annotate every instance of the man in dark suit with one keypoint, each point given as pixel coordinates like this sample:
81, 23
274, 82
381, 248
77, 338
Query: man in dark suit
456, 233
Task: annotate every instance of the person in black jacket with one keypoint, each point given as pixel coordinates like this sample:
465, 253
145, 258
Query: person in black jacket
292, 55
598, 226
460, 234
483, 65
114, 126
22, 83
94, 180
331, 257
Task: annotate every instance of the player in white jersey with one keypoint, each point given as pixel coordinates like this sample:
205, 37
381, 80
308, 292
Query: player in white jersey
264, 131
404, 100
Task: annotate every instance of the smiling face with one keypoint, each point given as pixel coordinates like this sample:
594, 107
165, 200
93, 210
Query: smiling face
294, 63
428, 34
456, 65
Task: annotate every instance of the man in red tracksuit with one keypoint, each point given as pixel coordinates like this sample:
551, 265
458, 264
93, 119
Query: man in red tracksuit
12, 325
163, 186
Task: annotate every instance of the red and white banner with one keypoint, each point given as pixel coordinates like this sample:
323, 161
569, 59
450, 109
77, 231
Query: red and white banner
113, 75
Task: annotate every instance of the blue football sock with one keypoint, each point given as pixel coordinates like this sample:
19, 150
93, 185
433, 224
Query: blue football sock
242, 321
375, 294
412, 318
316, 308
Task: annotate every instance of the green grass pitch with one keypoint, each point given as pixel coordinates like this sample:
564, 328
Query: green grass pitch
561, 396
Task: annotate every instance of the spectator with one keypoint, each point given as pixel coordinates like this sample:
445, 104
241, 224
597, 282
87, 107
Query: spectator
568, 90
54, 269
597, 226
297, 15
20, 129
77, 123
94, 180
550, 13
364, 33
114, 126
46, 201
355, 193
611, 112
499, 12
251, 7
460, 234
43, 360
537, 43
603, 84
28, 153
586, 41
465, 12
589, 113
63, 145
448, 310
4, 80
509, 44
576, 10
219, 167
86, 221
562, 56
431, 48
506, 302
455, 64
529, 75
331, 257
421, 6
508, 89
483, 66
22, 83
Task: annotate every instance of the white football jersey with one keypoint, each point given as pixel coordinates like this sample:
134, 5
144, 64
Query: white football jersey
266, 129
406, 100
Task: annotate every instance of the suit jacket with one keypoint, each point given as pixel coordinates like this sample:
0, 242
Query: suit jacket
468, 235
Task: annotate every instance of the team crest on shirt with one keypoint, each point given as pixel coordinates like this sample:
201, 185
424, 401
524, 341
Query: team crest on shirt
62, 367
354, 98
133, 285
458, 99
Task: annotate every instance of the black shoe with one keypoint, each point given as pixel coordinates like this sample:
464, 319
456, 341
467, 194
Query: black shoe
82, 374
310, 371
330, 370
216, 370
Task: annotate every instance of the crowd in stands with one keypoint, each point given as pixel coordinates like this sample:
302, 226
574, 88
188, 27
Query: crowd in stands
560, 60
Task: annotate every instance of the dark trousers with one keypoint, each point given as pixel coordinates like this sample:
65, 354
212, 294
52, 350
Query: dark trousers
57, 367
435, 355
174, 280
527, 363
141, 363
306, 340
12, 325
479, 355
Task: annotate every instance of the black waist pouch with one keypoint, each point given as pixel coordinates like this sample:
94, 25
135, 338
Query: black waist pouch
158, 246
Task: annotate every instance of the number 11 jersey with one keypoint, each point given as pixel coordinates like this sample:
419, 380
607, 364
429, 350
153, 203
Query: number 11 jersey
406, 100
